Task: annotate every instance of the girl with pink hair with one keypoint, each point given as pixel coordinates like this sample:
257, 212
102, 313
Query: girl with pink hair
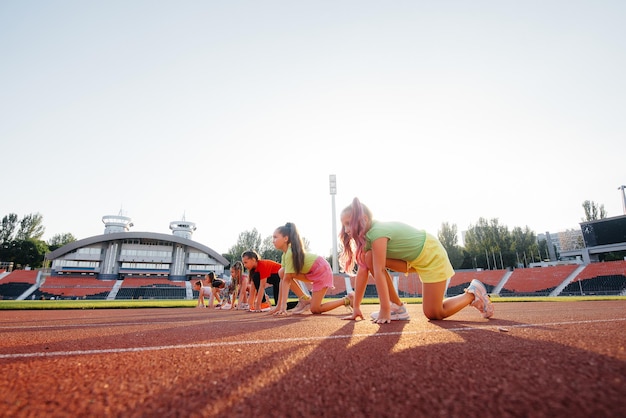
377, 246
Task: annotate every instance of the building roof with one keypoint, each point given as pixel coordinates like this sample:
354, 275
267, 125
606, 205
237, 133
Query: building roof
137, 235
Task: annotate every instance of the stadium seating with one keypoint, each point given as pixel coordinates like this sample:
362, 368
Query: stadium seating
21, 276
151, 288
13, 285
608, 278
74, 287
461, 279
148, 282
410, 285
537, 281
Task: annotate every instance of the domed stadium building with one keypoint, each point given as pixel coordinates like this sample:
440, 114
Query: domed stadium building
131, 265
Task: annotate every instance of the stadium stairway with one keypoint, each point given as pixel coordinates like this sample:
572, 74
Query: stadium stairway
40, 279
557, 290
499, 286
188, 290
116, 288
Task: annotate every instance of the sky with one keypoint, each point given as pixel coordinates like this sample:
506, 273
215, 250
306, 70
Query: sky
233, 114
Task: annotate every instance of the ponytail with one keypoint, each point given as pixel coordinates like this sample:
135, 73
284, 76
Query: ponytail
290, 231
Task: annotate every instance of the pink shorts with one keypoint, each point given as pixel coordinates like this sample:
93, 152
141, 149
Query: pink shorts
321, 275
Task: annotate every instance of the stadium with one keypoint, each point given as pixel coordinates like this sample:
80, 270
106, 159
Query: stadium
123, 265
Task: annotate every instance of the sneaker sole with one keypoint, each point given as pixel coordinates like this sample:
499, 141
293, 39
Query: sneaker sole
394, 316
487, 310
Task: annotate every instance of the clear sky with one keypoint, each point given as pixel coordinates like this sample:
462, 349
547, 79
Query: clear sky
234, 113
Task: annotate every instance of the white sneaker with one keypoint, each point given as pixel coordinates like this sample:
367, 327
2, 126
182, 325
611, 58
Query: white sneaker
398, 313
482, 301
225, 306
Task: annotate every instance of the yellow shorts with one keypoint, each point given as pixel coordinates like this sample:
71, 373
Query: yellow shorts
433, 264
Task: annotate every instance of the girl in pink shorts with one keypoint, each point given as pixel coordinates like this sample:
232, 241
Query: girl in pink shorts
296, 264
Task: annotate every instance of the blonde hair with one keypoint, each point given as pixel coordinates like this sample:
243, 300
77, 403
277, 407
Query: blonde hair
353, 244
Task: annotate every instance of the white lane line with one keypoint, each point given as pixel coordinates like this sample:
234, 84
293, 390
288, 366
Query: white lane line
288, 340
100, 324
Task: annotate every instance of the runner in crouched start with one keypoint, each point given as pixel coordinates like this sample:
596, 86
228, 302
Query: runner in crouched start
378, 246
204, 291
261, 273
297, 264
224, 292
241, 282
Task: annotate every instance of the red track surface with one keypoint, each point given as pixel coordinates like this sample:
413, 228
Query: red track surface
562, 359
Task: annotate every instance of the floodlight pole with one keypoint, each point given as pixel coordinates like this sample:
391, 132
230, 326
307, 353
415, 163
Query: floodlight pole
623, 197
333, 192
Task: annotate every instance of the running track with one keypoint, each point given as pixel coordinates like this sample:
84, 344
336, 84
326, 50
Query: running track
536, 359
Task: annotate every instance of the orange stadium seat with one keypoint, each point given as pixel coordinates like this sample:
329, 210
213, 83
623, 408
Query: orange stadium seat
537, 280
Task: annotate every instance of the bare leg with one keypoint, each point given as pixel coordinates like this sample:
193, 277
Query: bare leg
296, 289
317, 307
243, 291
434, 305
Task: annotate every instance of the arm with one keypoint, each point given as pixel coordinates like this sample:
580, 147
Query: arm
243, 288
360, 284
233, 295
276, 310
284, 293
252, 296
200, 298
379, 258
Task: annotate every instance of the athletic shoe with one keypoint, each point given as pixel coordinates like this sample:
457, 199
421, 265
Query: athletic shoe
302, 306
225, 306
348, 301
482, 302
398, 313
243, 306
266, 307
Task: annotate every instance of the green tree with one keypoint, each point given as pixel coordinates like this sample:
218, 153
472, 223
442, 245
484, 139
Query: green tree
489, 244
247, 240
448, 237
269, 252
8, 228
31, 227
593, 211
24, 253
523, 244
59, 240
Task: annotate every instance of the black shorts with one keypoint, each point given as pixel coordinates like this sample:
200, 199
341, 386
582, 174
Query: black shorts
274, 280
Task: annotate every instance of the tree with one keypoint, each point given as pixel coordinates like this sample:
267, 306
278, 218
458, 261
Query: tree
269, 252
20, 241
593, 211
8, 228
523, 244
59, 240
247, 240
24, 253
448, 237
489, 244
31, 227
